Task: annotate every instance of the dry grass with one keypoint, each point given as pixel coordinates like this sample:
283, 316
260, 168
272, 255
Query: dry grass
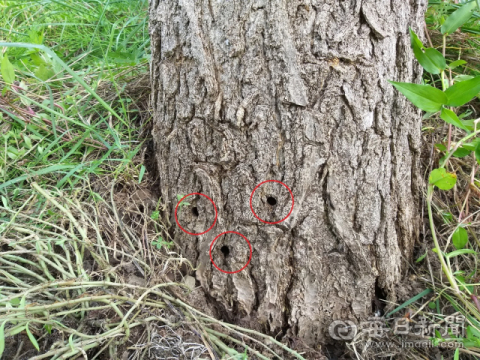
81, 273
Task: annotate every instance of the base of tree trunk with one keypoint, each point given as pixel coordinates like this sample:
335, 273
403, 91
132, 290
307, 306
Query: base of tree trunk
297, 91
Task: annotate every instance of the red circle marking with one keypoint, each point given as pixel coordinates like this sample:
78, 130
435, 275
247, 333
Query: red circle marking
213, 242
271, 222
214, 221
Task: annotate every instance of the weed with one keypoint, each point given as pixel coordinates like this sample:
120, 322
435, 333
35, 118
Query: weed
182, 203
64, 99
450, 85
160, 242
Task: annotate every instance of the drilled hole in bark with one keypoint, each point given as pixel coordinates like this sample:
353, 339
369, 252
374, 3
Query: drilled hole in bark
225, 250
271, 200
195, 211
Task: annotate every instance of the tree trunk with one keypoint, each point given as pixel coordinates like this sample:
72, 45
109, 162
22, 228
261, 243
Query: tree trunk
295, 91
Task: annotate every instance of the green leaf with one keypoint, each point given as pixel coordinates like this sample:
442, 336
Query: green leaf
15, 301
432, 305
442, 179
44, 72
459, 252
450, 117
471, 146
456, 355
2, 338
28, 141
477, 152
415, 41
469, 123
460, 238
472, 333
424, 97
32, 338
161, 242
421, 257
158, 243
458, 18
155, 215
8, 72
121, 57
465, 114
14, 331
464, 285
460, 78
447, 217
70, 342
469, 343
5, 202
456, 63
462, 92
36, 37
23, 302
408, 302
142, 172
37, 59
430, 59
436, 58
461, 152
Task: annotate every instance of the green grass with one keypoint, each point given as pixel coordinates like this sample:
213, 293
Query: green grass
452, 240
55, 121
92, 34
464, 44
65, 115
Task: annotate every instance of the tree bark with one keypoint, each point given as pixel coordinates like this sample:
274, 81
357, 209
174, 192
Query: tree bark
295, 91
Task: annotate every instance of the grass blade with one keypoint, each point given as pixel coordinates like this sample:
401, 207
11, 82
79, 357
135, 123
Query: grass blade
32, 338
44, 171
2, 338
408, 302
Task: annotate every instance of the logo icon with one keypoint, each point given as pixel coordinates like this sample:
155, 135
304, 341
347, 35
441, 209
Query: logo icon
342, 330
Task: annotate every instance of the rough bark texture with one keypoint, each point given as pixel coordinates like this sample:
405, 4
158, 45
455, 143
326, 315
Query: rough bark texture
297, 91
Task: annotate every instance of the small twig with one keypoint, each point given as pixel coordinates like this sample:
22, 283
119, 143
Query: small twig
427, 34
